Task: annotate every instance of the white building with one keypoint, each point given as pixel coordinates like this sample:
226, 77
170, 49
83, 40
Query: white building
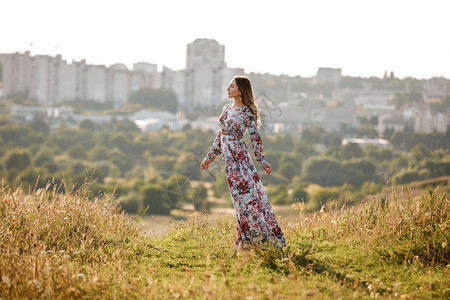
145, 75
427, 122
206, 77
50, 80
436, 87
328, 75
118, 84
30, 113
16, 73
205, 62
381, 143
148, 120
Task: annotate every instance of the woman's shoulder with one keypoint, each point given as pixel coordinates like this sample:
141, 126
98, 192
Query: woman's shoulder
247, 110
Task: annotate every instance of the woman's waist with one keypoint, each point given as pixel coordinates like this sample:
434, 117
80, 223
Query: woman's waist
231, 137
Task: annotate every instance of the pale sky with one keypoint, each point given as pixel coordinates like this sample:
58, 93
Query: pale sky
293, 37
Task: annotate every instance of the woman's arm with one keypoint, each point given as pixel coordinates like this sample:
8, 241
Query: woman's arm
256, 141
216, 150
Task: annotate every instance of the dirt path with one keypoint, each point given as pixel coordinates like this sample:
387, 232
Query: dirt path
156, 226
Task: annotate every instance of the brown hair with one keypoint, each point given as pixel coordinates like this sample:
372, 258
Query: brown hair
245, 87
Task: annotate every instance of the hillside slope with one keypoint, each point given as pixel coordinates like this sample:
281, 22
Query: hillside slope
65, 246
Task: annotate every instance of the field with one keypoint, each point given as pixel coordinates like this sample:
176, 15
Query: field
65, 246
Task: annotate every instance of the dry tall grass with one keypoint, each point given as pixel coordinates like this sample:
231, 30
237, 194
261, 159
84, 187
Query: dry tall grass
49, 241
402, 225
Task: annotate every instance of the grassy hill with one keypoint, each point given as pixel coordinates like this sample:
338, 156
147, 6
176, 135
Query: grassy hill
66, 246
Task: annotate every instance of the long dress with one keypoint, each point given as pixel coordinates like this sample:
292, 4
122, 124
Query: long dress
256, 220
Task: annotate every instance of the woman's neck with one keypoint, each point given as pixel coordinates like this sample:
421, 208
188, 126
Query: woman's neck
238, 102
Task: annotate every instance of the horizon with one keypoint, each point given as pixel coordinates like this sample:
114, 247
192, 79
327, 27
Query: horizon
293, 38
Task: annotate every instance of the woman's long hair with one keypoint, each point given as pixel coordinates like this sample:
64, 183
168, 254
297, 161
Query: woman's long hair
245, 87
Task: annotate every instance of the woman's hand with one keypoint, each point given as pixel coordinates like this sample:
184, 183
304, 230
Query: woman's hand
267, 168
205, 164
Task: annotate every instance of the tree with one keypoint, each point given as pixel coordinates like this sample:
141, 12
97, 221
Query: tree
388, 131
121, 141
313, 134
356, 172
406, 98
322, 196
77, 151
188, 163
420, 152
392, 75
98, 152
120, 159
279, 195
438, 168
14, 132
131, 203
332, 139
200, 198
350, 151
44, 156
299, 194
323, 171
31, 177
18, 159
273, 158
376, 154
294, 160
38, 124
284, 142
398, 140
125, 126
288, 170
88, 124
408, 176
155, 198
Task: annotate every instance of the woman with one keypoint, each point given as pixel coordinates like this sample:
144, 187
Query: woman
255, 218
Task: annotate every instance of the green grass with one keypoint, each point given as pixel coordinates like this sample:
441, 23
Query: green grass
65, 246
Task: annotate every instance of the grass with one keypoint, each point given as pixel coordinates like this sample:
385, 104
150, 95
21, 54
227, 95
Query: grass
65, 246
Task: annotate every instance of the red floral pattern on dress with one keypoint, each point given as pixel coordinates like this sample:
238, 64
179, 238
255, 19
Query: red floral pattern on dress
256, 220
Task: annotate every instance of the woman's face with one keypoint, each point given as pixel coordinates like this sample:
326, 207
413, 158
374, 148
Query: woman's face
233, 90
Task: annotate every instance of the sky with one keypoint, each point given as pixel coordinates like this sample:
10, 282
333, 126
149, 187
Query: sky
293, 37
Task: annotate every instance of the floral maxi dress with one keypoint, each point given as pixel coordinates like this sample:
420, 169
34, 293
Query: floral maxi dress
255, 217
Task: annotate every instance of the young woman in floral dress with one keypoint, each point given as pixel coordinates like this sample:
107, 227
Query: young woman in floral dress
256, 220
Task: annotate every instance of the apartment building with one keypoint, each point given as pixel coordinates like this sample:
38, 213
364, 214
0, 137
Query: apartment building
51, 80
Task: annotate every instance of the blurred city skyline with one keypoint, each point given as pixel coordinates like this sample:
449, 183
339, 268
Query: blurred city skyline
363, 38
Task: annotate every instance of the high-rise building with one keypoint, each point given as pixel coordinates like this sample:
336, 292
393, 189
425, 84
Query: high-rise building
328, 75
16, 73
51, 80
205, 63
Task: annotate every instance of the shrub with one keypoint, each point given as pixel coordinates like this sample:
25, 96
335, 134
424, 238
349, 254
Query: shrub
155, 198
300, 194
288, 170
199, 198
279, 195
322, 196
18, 159
131, 203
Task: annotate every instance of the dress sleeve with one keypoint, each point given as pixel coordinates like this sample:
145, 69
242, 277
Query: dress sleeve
255, 138
216, 148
